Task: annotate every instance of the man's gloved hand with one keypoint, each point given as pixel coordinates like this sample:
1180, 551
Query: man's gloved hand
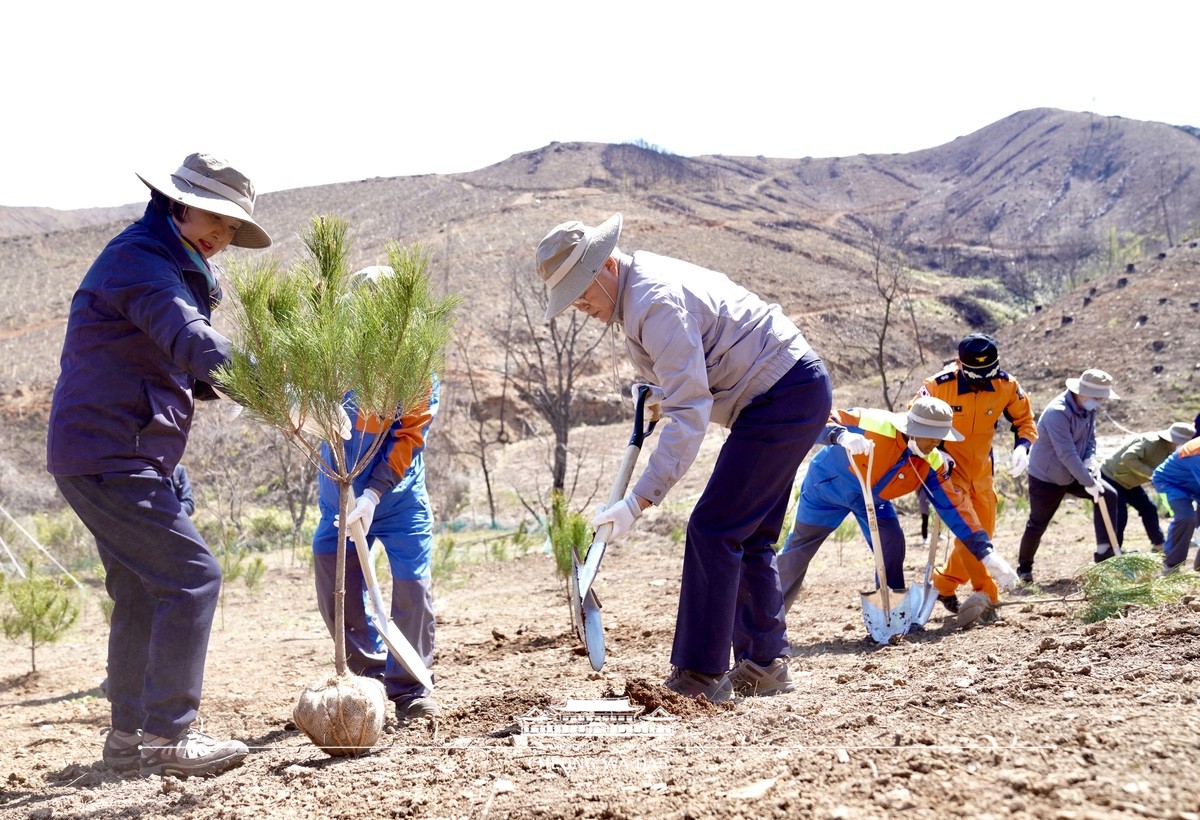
1020, 460
1093, 467
1095, 490
653, 401
364, 511
621, 515
1000, 570
310, 425
856, 444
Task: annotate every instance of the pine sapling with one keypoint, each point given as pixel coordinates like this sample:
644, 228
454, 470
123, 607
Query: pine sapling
38, 610
306, 345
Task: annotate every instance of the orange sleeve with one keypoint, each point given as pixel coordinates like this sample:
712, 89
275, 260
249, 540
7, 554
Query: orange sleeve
1020, 413
408, 436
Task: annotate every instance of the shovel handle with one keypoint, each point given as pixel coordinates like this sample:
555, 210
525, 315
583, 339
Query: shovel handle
935, 535
647, 396
873, 526
400, 647
1108, 526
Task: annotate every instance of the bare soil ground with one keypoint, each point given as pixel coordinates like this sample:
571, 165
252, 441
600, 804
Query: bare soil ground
1038, 715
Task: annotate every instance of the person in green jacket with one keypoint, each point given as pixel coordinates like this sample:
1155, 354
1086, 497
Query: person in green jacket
1131, 466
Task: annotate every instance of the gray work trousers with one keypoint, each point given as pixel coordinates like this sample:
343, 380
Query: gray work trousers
366, 654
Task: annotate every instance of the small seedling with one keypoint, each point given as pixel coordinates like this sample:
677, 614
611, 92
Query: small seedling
38, 610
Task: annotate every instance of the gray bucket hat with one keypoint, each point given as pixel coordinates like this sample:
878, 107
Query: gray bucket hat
570, 256
928, 418
369, 275
213, 185
1179, 433
1093, 384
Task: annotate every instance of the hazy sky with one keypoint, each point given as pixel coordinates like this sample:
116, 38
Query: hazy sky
300, 94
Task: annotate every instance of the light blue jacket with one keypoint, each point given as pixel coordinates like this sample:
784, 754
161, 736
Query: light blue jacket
1066, 438
710, 344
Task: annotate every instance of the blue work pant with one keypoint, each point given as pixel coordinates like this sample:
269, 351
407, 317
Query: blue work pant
806, 538
164, 583
730, 594
403, 523
1180, 530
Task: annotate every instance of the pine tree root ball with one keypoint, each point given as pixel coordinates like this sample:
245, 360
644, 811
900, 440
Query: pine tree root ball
342, 715
977, 609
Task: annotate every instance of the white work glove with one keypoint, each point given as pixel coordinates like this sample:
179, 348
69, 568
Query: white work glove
621, 515
1093, 467
1095, 490
856, 444
312, 425
947, 461
364, 511
1000, 570
1020, 460
653, 401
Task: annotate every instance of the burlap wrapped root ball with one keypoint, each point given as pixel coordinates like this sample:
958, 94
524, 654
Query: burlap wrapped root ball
343, 715
977, 609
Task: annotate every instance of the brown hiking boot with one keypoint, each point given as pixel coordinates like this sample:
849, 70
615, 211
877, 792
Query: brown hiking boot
418, 708
121, 750
715, 688
749, 679
191, 754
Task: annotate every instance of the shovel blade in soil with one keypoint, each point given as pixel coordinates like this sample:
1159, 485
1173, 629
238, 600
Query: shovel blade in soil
883, 625
593, 631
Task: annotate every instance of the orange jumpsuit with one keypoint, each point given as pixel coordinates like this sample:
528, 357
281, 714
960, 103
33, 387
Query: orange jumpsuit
978, 405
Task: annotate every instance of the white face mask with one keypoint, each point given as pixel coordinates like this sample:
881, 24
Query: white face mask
1089, 404
914, 449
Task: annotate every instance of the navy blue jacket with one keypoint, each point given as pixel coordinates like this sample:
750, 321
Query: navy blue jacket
138, 342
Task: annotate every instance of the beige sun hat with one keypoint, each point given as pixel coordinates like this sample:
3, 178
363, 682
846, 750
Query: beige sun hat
1178, 433
570, 256
928, 417
213, 185
1093, 384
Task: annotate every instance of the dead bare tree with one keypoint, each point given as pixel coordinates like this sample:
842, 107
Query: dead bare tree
549, 359
893, 282
488, 432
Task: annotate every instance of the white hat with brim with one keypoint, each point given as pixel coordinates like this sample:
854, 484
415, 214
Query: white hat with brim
1093, 384
928, 418
570, 256
1179, 433
213, 185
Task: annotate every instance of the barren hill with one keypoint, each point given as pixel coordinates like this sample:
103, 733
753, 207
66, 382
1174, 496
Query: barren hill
1008, 229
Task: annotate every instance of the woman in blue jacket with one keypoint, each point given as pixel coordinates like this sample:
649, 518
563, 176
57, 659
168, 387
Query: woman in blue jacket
139, 349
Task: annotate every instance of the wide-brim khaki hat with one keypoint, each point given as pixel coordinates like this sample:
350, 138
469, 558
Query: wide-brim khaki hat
1093, 384
1178, 433
213, 185
570, 256
928, 418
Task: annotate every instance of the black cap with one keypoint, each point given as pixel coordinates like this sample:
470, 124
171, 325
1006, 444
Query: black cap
979, 355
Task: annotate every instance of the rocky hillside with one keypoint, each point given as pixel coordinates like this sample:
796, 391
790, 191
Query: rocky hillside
1025, 228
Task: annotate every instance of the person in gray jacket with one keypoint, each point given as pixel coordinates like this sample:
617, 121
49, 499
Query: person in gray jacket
1063, 462
139, 349
723, 355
